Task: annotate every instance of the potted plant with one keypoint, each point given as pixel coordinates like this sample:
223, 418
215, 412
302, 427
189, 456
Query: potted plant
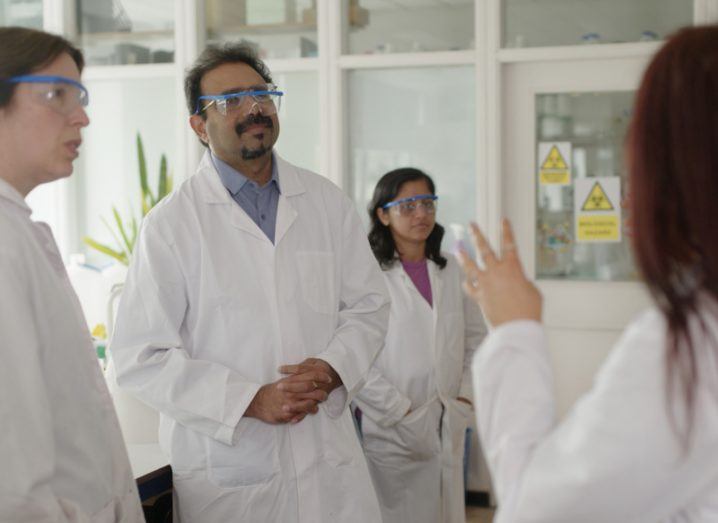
125, 232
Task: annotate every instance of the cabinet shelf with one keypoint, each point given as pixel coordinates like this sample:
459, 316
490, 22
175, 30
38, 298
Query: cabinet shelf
262, 29
126, 36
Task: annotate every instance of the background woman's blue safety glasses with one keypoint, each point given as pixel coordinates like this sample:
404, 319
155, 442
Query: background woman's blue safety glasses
62, 94
267, 100
408, 206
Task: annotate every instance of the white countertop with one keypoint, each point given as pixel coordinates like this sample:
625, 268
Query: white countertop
145, 458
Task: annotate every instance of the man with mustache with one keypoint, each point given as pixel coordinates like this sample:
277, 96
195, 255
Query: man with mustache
251, 314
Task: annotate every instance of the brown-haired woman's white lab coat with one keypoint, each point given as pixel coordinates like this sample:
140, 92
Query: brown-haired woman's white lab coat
62, 457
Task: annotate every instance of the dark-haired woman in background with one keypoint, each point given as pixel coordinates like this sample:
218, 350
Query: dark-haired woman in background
642, 445
415, 406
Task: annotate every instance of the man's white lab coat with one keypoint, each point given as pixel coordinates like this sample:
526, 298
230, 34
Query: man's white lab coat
62, 457
211, 309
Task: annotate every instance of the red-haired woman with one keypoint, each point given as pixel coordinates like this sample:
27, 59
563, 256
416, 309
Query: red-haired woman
642, 445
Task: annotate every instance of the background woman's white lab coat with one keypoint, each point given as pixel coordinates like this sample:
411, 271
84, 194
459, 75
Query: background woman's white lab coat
62, 458
615, 457
416, 460
212, 308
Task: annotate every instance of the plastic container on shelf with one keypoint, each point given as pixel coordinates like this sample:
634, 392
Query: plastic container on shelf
591, 38
554, 244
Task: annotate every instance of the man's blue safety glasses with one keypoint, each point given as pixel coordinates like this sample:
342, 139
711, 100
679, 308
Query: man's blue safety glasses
268, 101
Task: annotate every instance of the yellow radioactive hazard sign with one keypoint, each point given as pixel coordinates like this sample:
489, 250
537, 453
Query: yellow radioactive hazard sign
597, 200
554, 163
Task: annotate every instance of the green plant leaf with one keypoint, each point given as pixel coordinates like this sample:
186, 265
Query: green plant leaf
116, 238
162, 184
148, 201
121, 227
104, 249
142, 165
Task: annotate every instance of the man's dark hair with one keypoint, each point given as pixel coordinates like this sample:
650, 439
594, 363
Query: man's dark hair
214, 56
24, 51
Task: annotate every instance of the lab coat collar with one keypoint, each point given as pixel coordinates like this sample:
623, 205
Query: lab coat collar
234, 180
397, 271
216, 193
9, 193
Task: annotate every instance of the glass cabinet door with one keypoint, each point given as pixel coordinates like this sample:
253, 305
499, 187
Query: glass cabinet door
422, 118
25, 13
387, 26
276, 28
113, 32
532, 23
581, 182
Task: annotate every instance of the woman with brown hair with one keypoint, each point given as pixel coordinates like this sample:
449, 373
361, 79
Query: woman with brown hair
62, 454
642, 445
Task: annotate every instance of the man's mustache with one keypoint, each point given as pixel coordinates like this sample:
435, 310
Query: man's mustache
254, 119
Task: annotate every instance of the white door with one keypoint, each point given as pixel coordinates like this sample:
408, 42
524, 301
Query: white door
564, 125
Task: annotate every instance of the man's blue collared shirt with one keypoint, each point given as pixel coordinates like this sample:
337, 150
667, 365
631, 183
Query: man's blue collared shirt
260, 203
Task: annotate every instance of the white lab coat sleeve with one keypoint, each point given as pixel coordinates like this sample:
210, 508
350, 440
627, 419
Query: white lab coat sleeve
147, 350
381, 401
363, 313
614, 457
475, 331
513, 400
27, 450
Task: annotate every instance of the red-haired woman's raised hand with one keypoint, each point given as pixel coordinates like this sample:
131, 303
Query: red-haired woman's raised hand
501, 289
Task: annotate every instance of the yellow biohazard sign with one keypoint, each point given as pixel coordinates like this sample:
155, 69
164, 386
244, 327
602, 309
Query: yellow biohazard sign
597, 200
554, 160
594, 228
597, 218
554, 167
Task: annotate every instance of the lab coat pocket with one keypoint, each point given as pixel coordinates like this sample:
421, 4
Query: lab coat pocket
459, 417
464, 411
316, 276
419, 431
251, 461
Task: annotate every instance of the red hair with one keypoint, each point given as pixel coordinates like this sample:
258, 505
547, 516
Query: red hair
673, 161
